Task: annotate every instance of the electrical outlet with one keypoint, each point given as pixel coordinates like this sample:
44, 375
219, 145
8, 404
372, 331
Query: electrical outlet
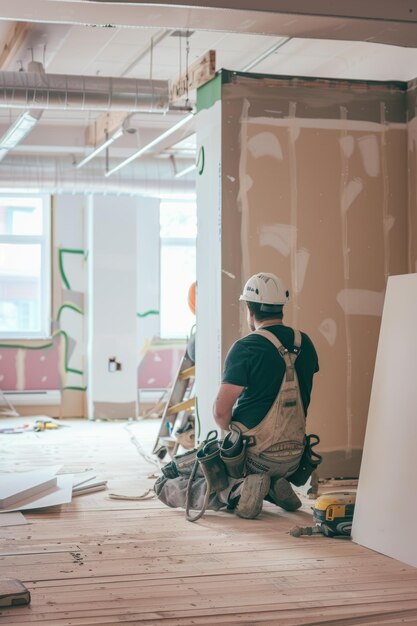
114, 365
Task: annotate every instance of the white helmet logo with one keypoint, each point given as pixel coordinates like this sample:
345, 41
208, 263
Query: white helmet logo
265, 288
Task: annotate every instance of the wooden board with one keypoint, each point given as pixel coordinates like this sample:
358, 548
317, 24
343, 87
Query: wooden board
198, 73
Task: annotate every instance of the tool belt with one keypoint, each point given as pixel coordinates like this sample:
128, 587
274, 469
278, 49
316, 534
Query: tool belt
309, 462
204, 461
233, 452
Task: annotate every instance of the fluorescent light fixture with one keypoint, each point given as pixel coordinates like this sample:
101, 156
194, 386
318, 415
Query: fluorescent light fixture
185, 171
150, 145
118, 133
18, 131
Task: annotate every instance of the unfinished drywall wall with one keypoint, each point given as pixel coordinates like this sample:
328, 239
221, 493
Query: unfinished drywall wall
386, 510
314, 188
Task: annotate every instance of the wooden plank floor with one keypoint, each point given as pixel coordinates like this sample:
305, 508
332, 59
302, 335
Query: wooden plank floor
103, 561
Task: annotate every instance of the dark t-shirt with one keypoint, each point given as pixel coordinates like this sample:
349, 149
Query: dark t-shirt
254, 363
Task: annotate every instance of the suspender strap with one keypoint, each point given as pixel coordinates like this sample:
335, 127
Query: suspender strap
297, 340
289, 357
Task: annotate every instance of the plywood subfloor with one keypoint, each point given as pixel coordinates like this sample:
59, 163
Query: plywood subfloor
101, 561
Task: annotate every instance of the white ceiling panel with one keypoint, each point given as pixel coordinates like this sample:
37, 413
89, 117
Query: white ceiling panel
342, 59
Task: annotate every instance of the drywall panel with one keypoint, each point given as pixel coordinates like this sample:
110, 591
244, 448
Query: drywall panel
386, 508
209, 277
61, 494
18, 486
314, 188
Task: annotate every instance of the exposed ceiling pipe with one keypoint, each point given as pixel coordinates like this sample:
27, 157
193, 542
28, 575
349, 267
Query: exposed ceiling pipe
32, 90
150, 178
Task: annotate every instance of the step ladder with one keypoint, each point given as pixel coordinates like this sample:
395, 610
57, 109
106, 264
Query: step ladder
178, 413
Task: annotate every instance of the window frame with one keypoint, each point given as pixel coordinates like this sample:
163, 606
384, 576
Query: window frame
171, 241
45, 241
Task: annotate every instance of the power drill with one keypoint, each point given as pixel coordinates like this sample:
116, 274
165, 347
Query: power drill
333, 514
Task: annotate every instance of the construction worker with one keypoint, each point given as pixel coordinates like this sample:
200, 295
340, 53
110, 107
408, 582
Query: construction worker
256, 399
262, 404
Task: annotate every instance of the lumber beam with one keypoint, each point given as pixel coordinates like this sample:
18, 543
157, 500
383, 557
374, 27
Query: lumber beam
197, 74
104, 125
14, 40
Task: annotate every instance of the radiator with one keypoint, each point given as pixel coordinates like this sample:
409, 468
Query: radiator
33, 397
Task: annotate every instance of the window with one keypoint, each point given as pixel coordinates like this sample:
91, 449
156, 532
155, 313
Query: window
178, 229
25, 273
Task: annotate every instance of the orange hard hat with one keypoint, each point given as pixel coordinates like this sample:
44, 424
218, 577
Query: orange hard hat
191, 297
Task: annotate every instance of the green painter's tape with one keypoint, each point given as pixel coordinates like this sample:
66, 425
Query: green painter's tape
197, 421
67, 368
45, 346
19, 346
146, 313
61, 252
200, 161
73, 307
209, 93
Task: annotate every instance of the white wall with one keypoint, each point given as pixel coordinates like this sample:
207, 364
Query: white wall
208, 318
148, 253
112, 307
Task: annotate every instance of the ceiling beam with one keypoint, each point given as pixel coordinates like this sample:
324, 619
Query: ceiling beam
200, 72
106, 124
15, 38
391, 22
390, 10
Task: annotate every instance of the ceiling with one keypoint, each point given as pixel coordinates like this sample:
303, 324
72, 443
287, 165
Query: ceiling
63, 136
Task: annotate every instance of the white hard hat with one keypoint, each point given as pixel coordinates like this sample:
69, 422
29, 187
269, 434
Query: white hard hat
266, 289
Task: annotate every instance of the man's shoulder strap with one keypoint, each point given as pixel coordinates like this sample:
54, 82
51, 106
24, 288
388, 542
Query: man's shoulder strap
273, 339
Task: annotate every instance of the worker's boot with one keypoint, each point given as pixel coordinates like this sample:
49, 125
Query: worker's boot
282, 494
252, 493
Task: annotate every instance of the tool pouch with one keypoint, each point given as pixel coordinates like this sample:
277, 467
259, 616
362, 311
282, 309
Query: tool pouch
212, 466
233, 454
181, 465
309, 462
